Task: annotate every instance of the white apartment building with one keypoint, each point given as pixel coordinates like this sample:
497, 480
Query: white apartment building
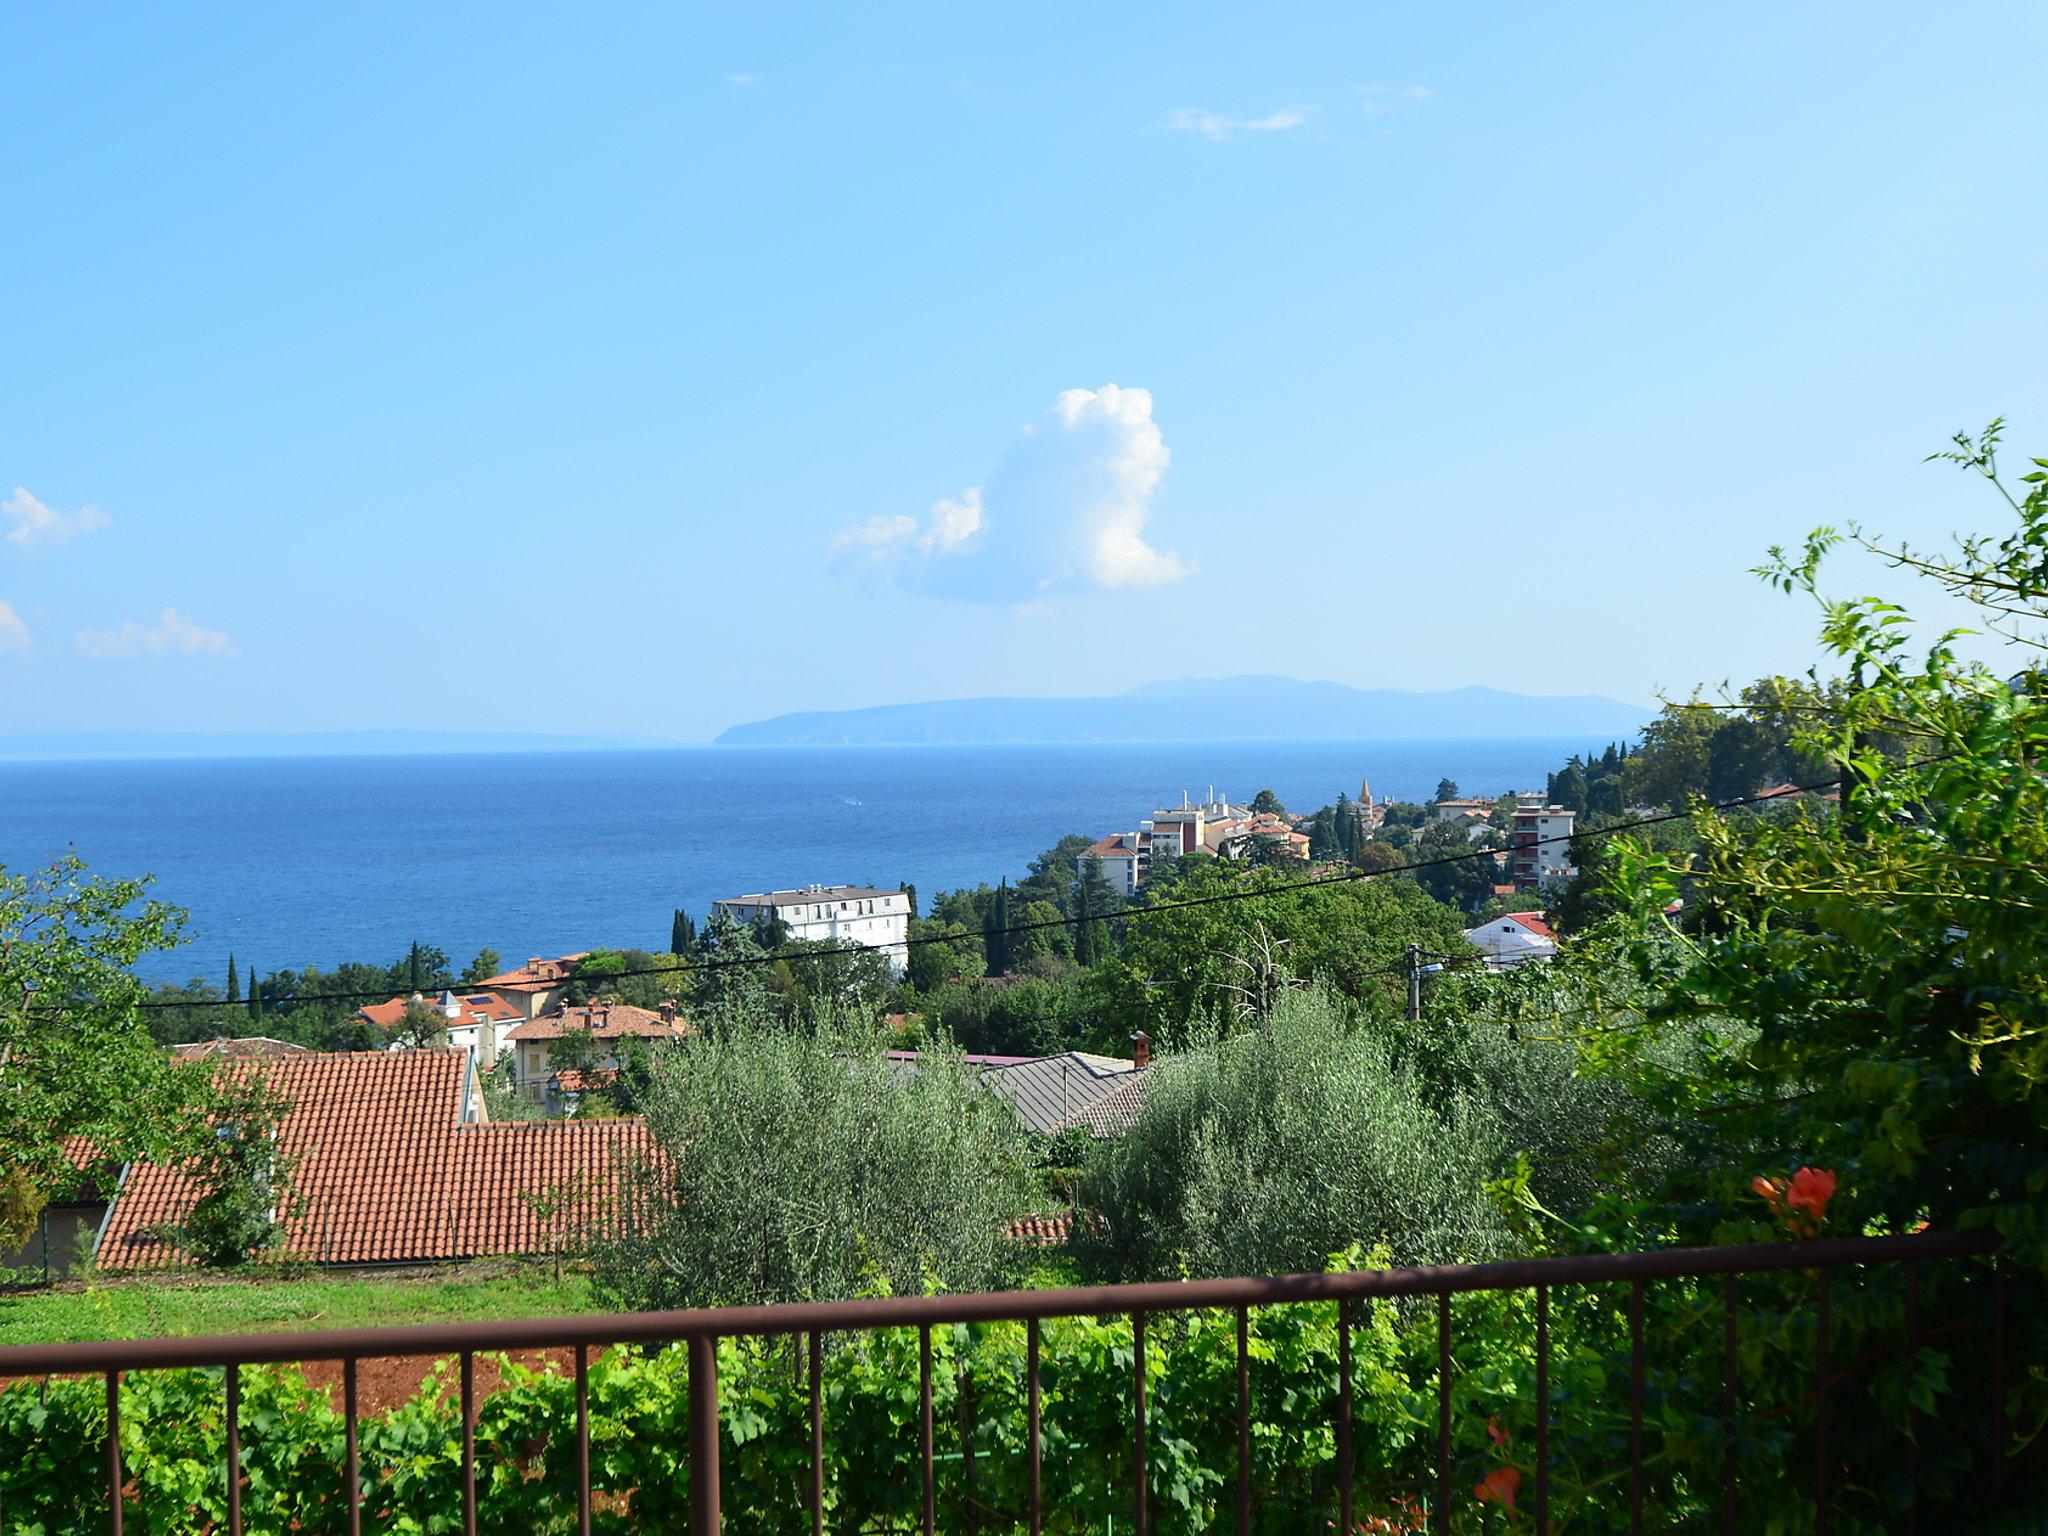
1123, 856
1541, 843
839, 914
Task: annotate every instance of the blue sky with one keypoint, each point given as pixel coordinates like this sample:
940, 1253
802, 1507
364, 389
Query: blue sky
654, 369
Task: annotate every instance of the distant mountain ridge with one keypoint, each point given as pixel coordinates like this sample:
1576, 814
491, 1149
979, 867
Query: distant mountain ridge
1246, 708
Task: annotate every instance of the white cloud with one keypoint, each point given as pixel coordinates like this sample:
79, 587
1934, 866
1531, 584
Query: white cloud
1218, 126
1382, 100
35, 523
1066, 507
173, 634
14, 636
949, 530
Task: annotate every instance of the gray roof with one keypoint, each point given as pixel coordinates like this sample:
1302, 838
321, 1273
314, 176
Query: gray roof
805, 898
1111, 1116
1053, 1091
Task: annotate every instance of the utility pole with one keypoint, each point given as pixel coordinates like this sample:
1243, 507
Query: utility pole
1414, 982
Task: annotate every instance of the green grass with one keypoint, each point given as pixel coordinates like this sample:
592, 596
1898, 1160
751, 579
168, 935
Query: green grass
169, 1307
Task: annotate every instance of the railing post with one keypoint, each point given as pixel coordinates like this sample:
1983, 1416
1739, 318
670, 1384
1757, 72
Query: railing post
703, 1357
114, 1478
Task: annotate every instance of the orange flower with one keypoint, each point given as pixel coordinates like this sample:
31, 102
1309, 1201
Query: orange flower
1772, 1190
1498, 1487
1812, 1189
1500, 1436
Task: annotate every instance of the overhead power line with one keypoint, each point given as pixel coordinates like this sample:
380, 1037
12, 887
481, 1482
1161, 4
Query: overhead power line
1121, 914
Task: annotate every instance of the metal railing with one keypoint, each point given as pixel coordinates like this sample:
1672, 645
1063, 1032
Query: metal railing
701, 1329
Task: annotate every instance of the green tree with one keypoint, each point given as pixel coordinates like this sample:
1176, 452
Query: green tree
425, 968
682, 933
820, 979
933, 964
234, 992
242, 1173
996, 935
1265, 802
480, 970
420, 1026
1446, 789
76, 1058
1180, 964
1890, 963
1089, 901
1266, 1151
796, 1167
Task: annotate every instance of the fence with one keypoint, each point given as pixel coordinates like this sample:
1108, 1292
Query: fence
811, 1322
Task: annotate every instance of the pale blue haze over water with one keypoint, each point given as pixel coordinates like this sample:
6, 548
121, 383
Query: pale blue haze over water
290, 861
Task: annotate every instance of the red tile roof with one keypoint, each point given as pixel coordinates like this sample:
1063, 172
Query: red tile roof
535, 976
1039, 1231
474, 1005
605, 1021
1533, 921
385, 1172
244, 1047
1118, 845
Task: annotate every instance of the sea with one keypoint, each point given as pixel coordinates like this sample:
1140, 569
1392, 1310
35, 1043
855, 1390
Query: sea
290, 861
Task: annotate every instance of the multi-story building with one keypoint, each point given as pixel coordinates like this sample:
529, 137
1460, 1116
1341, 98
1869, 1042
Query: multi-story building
1122, 856
838, 914
1540, 843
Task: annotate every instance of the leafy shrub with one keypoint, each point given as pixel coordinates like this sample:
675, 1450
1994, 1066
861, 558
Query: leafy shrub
794, 1166
1270, 1149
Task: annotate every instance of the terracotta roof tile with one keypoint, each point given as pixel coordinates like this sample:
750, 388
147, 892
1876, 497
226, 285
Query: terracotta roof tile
606, 1021
385, 1171
475, 1005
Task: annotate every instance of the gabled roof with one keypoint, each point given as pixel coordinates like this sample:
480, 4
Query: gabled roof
1109, 1117
1534, 922
603, 1021
1049, 1091
476, 1006
536, 975
241, 1048
384, 1170
1118, 845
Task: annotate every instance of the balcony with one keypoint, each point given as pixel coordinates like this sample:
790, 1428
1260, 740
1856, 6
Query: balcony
1019, 1447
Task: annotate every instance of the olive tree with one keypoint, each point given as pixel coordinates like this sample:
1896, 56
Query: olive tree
1272, 1148
798, 1165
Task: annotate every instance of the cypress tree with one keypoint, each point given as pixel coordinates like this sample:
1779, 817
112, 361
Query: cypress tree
682, 937
255, 994
1347, 824
234, 981
995, 931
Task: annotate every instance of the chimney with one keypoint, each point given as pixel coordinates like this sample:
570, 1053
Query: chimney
1141, 1050
533, 964
606, 1017
668, 1011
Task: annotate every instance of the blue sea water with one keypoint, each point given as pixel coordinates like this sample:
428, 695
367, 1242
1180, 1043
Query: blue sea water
291, 861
